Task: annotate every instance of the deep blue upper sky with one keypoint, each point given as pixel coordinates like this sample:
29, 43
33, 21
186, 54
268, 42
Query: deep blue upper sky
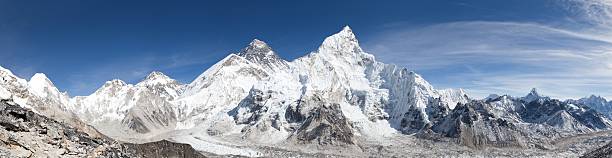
81, 44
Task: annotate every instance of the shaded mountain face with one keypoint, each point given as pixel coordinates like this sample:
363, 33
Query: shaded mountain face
325, 125
542, 111
260, 53
475, 125
162, 149
597, 103
331, 96
507, 121
123, 111
263, 94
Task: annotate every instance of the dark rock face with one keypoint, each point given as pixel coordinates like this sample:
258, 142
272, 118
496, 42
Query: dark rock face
162, 149
474, 125
24, 133
326, 125
602, 152
260, 53
27, 134
251, 108
293, 115
541, 110
437, 110
506, 121
413, 121
596, 102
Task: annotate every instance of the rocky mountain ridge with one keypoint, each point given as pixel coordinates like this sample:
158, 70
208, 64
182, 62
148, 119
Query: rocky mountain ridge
337, 95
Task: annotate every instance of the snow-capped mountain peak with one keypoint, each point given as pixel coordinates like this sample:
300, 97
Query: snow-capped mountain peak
259, 52
534, 92
39, 85
42, 86
596, 102
341, 42
111, 87
115, 82
533, 95
9, 82
347, 32
258, 43
596, 99
329, 96
156, 75
155, 78
256, 47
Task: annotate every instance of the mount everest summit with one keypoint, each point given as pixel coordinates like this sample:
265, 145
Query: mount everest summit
254, 103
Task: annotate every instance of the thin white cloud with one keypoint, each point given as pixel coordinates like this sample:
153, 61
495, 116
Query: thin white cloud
509, 57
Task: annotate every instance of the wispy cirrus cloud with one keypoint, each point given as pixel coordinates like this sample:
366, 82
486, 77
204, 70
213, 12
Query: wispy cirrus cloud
509, 57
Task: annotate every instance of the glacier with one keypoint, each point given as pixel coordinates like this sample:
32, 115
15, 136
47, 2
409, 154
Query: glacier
338, 95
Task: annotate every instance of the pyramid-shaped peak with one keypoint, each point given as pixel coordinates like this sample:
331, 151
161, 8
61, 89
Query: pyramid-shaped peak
39, 83
39, 77
346, 33
260, 53
347, 29
156, 75
256, 48
258, 43
534, 92
342, 42
40, 80
533, 95
156, 78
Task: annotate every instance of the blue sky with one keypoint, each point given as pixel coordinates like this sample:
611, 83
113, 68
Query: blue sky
562, 47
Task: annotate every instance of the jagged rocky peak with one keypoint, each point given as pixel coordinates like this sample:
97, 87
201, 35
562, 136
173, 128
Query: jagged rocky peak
260, 53
532, 96
492, 97
595, 99
257, 47
534, 92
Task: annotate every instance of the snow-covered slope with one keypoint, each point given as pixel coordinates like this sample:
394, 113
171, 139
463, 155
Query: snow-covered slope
596, 102
335, 95
40, 95
343, 73
126, 111
509, 121
266, 99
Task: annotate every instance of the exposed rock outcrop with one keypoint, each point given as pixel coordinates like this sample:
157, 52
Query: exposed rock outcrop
162, 149
326, 125
24, 133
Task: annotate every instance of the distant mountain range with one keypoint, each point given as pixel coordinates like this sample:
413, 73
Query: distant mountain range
337, 96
